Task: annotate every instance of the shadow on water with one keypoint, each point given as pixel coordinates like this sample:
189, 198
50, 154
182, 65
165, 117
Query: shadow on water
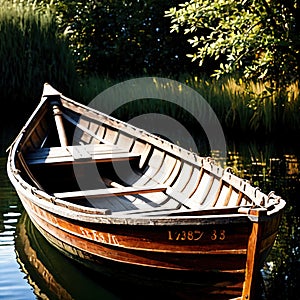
40, 271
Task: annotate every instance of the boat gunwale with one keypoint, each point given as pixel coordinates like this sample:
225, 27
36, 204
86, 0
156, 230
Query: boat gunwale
40, 197
66, 211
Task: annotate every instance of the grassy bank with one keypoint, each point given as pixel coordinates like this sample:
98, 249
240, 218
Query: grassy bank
253, 109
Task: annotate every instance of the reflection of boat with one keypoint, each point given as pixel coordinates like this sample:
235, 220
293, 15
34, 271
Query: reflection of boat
37, 272
155, 206
47, 271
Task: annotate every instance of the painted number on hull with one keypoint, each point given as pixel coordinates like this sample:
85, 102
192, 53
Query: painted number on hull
99, 236
195, 235
218, 235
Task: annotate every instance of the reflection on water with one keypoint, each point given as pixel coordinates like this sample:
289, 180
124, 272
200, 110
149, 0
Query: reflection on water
30, 268
51, 274
277, 171
12, 283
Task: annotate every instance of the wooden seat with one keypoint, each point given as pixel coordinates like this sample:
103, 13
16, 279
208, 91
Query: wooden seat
142, 210
110, 191
80, 153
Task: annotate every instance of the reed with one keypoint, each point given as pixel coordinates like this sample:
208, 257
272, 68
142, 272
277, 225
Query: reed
255, 107
31, 52
252, 108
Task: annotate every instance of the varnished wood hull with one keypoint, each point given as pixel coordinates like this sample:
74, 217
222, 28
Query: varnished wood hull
176, 211
220, 262
45, 269
217, 246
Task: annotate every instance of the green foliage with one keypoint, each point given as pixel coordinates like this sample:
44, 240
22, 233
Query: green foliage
31, 53
121, 38
258, 39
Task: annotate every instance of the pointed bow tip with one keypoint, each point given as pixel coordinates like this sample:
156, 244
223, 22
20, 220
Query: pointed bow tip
50, 91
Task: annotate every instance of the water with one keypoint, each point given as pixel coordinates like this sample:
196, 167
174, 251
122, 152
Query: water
31, 269
13, 284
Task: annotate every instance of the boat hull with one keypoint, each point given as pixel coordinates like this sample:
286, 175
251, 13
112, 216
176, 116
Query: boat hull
216, 263
46, 270
221, 247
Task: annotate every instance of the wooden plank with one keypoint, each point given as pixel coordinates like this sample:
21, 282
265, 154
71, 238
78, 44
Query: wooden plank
87, 134
213, 211
108, 192
80, 152
31, 176
146, 210
73, 154
252, 264
166, 169
114, 204
49, 155
203, 189
184, 177
174, 208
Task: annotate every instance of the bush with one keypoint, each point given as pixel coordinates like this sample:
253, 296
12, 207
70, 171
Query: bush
122, 38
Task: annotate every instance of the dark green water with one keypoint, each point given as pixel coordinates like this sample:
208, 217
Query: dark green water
32, 269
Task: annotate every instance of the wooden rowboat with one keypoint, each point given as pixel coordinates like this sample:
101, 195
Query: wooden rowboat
105, 192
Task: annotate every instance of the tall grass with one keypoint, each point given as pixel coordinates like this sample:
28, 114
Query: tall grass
31, 52
249, 108
252, 107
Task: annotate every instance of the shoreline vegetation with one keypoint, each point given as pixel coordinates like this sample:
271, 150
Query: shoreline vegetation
242, 108
34, 50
